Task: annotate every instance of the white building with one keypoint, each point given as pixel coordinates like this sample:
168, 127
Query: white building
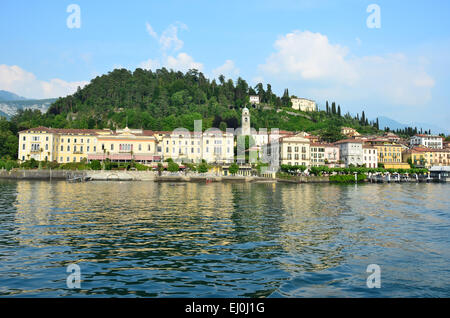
351, 152
429, 141
370, 154
303, 104
254, 99
213, 146
295, 150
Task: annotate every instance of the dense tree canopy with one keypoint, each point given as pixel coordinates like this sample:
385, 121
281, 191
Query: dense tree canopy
165, 100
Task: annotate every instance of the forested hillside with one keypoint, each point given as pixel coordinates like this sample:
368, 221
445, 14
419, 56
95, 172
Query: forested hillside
165, 100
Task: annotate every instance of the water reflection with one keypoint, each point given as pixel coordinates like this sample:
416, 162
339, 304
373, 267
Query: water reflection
258, 240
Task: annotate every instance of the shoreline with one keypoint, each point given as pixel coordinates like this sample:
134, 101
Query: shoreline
115, 175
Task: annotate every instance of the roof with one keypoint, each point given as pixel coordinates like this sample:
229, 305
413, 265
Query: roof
440, 168
425, 135
345, 141
63, 130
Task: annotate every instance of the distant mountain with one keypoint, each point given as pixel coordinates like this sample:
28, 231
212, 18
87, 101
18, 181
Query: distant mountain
393, 125
8, 96
10, 108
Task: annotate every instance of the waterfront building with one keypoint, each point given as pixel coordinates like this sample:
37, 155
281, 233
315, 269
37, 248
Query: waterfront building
303, 104
370, 159
440, 173
435, 142
351, 152
332, 158
125, 145
60, 145
389, 153
427, 157
317, 154
218, 146
295, 150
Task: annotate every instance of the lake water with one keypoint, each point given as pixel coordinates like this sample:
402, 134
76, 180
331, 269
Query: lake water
224, 240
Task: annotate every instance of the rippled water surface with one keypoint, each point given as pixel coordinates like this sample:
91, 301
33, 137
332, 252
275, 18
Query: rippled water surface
224, 240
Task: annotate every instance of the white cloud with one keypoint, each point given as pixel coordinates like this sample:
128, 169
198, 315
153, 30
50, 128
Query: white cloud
169, 41
169, 38
23, 83
150, 64
310, 57
150, 30
228, 69
183, 62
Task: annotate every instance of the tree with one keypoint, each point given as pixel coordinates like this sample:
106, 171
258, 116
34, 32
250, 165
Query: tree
233, 169
173, 167
203, 167
286, 100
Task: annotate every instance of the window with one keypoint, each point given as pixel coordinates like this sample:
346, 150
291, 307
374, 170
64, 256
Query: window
87, 148
95, 148
24, 138
23, 147
68, 148
68, 140
74, 148
35, 138
75, 140
23, 158
46, 146
149, 148
112, 146
68, 159
140, 147
46, 138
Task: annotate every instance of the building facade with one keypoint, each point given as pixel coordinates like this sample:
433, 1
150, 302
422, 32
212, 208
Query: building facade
370, 159
429, 141
351, 152
303, 104
254, 99
427, 157
295, 150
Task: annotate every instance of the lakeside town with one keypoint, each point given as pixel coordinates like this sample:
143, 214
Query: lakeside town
242, 152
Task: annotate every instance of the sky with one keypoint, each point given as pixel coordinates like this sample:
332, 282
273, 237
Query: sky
388, 58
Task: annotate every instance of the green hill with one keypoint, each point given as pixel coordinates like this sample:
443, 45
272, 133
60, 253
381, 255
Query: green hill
165, 100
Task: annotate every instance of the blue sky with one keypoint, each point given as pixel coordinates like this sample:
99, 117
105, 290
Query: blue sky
318, 49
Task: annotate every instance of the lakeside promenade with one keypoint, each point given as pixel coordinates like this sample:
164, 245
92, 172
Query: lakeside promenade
153, 176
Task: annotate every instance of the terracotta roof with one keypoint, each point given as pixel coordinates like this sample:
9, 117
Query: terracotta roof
344, 141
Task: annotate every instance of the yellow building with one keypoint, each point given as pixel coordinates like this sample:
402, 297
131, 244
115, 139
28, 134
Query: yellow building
427, 157
387, 152
74, 145
60, 145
